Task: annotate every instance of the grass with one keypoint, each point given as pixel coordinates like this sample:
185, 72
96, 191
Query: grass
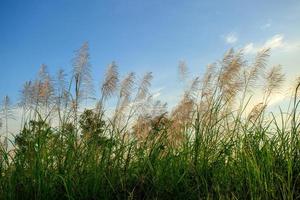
206, 148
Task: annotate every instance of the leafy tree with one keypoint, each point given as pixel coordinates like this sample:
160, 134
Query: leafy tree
92, 126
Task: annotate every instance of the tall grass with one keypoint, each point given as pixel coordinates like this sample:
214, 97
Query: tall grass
212, 145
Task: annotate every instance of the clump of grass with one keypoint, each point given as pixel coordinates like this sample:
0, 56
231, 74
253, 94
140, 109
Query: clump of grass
207, 147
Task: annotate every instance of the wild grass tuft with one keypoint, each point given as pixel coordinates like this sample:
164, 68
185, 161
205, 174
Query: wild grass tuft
215, 144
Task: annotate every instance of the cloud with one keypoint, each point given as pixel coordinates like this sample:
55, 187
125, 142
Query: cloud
284, 52
266, 26
231, 38
249, 48
275, 42
156, 93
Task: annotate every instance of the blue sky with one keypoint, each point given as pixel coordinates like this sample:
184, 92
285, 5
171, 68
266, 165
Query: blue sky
141, 36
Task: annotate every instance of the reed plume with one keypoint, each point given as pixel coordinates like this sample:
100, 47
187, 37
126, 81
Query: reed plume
6, 114
144, 86
229, 80
208, 80
193, 91
259, 65
182, 112
26, 95
62, 95
140, 104
182, 70
274, 80
158, 109
256, 112
82, 78
126, 89
61, 82
111, 80
127, 85
46, 90
180, 119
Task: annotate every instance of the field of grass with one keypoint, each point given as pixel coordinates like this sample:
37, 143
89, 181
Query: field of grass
212, 145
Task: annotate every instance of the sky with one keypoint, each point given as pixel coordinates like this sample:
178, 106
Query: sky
142, 36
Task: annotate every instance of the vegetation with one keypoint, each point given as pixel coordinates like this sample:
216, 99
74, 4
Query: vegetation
212, 145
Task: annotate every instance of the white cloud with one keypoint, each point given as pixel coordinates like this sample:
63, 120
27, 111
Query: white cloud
231, 38
266, 26
275, 42
284, 52
157, 93
249, 48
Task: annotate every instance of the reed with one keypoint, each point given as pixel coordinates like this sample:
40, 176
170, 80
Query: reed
207, 147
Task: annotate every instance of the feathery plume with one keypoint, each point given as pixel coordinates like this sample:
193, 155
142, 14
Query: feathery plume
111, 80
7, 107
259, 65
61, 82
207, 80
183, 110
82, 74
83, 84
46, 87
274, 79
158, 108
183, 70
126, 85
229, 79
6, 114
194, 88
62, 96
256, 112
42, 93
43, 72
228, 56
124, 95
62, 92
26, 95
144, 86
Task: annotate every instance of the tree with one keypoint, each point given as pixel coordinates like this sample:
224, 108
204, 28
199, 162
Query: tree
92, 126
